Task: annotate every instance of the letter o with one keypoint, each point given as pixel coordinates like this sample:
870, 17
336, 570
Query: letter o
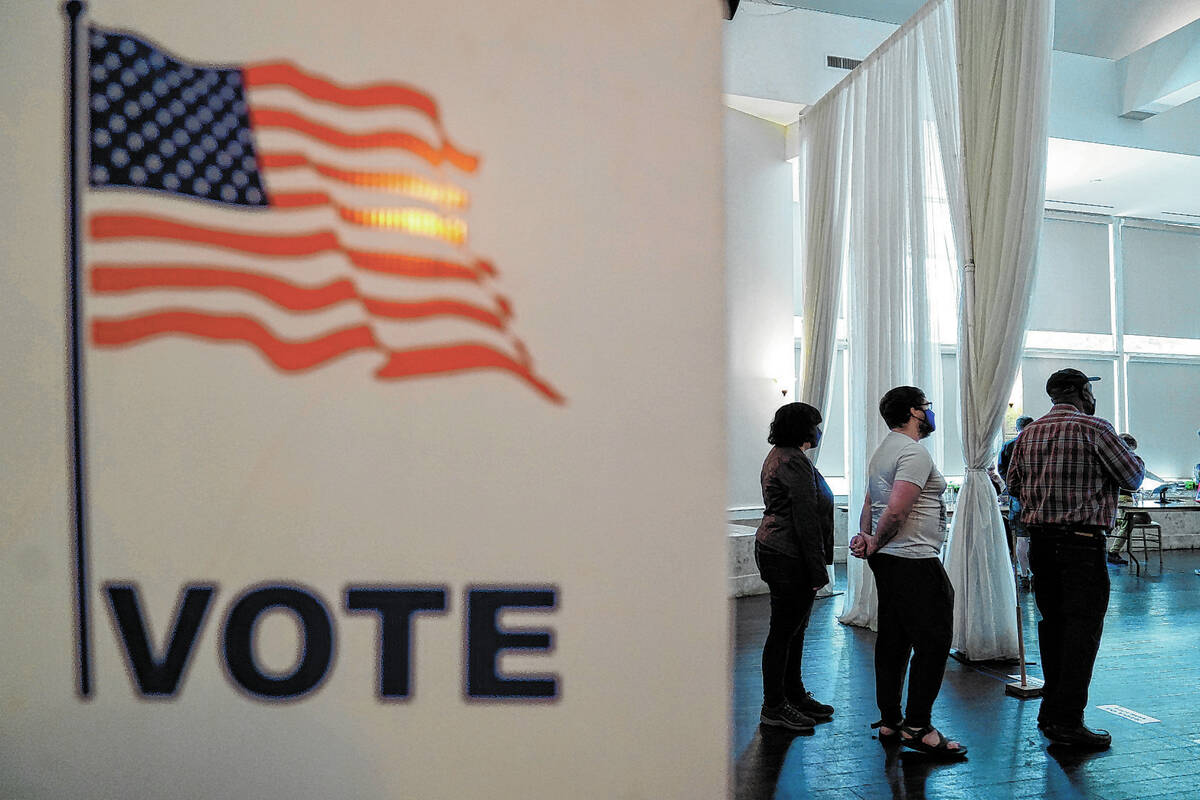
316, 651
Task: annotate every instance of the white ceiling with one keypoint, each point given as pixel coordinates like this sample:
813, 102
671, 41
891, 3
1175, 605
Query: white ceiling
1080, 176
780, 112
1123, 181
1105, 28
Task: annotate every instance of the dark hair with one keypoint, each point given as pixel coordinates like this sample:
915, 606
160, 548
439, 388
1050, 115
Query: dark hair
895, 406
1129, 441
794, 424
1022, 422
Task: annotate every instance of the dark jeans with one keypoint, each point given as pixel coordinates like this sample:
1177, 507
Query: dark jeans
791, 604
916, 619
1070, 582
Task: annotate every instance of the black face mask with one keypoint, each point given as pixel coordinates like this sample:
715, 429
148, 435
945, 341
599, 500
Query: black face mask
816, 437
1089, 401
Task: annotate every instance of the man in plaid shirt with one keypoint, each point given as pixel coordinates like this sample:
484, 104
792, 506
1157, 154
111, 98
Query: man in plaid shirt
1066, 469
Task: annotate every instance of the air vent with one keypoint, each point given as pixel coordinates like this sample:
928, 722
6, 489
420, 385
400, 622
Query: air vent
841, 62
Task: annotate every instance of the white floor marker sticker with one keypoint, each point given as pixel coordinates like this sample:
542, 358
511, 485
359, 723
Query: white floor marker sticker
1125, 713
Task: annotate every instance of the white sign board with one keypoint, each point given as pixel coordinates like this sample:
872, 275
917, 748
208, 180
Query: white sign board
398, 459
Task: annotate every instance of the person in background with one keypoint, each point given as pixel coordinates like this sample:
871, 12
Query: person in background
902, 528
1007, 449
1066, 469
1125, 519
1017, 533
792, 547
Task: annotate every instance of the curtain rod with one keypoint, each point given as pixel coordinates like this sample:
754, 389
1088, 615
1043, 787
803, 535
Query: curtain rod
917, 17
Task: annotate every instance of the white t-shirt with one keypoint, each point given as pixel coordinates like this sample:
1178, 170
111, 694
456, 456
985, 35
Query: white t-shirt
899, 458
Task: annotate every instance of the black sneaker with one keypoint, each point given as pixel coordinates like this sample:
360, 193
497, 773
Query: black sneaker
1115, 558
785, 715
811, 706
1077, 736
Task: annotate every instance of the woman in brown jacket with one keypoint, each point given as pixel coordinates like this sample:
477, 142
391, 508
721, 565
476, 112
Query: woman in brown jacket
793, 545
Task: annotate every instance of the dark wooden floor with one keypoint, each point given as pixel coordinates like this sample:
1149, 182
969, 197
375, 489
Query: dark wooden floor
1149, 662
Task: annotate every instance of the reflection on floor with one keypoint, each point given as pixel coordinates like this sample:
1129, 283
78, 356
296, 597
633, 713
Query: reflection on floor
1149, 663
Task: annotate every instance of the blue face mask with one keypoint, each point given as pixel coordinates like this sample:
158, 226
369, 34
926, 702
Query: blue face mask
928, 425
816, 437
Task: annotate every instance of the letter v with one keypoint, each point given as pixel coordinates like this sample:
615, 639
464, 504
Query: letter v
155, 676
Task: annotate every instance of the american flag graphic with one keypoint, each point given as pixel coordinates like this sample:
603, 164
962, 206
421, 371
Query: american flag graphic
275, 209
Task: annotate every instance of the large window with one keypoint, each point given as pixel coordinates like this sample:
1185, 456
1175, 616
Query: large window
1114, 297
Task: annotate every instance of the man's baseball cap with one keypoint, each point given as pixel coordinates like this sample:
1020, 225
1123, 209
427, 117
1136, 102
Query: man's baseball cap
1067, 380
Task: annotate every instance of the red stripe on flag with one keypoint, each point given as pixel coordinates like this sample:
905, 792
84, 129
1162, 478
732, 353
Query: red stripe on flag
282, 160
107, 278
288, 356
460, 358
406, 183
130, 226
289, 120
300, 199
298, 356
110, 278
394, 309
136, 226
283, 73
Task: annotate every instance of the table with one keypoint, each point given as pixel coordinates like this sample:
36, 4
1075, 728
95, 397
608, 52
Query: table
1179, 527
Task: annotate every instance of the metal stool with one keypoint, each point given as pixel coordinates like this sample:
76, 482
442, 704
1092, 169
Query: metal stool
1146, 531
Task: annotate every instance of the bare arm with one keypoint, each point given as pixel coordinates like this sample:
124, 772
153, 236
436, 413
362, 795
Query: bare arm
858, 542
900, 505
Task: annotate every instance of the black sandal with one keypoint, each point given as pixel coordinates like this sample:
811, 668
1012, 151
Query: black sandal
888, 738
912, 738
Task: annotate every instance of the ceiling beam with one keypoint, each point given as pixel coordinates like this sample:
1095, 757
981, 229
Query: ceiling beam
1162, 75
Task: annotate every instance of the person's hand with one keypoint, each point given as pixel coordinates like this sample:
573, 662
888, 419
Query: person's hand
860, 545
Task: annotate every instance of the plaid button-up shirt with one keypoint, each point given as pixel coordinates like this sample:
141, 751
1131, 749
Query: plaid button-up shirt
1067, 467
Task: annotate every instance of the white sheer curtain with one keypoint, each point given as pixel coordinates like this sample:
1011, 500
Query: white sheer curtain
890, 130
904, 132
826, 149
1004, 79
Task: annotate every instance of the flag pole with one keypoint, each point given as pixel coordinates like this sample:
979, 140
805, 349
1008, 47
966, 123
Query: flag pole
73, 9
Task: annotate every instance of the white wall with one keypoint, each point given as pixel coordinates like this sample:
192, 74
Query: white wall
781, 55
758, 281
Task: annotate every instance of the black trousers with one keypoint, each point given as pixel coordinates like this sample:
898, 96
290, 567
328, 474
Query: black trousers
916, 620
792, 598
1070, 583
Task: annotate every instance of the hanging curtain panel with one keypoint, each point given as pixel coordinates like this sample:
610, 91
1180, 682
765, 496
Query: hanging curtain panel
826, 153
896, 218
905, 162
1004, 79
